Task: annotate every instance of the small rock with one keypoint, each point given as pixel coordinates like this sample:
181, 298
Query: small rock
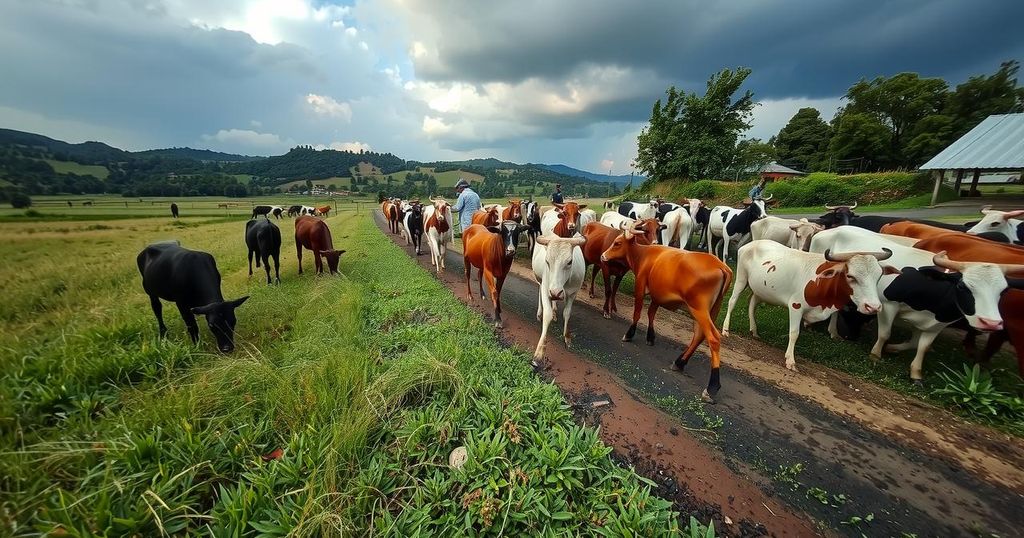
673, 430
600, 403
659, 445
727, 520
458, 457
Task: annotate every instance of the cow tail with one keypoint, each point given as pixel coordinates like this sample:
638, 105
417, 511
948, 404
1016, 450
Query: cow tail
726, 280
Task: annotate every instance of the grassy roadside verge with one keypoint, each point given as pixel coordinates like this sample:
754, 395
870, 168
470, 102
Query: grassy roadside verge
336, 417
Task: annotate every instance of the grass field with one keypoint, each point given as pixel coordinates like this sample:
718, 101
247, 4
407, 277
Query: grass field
68, 167
334, 417
340, 182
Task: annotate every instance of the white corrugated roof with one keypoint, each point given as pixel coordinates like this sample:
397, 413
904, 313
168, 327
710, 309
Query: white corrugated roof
776, 168
996, 143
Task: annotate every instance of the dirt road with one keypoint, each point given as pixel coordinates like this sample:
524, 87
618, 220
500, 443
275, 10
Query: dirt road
778, 448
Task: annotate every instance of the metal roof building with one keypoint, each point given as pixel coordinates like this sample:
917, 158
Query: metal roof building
995, 144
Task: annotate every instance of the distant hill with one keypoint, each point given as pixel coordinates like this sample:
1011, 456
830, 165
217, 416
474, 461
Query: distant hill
604, 178
84, 153
197, 154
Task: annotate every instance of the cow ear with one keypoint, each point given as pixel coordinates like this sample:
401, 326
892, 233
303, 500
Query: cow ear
494, 229
831, 272
890, 270
203, 310
238, 302
583, 206
663, 226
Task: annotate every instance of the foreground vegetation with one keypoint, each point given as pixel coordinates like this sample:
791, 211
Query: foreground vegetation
336, 415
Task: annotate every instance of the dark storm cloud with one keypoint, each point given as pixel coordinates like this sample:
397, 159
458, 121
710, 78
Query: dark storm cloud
809, 48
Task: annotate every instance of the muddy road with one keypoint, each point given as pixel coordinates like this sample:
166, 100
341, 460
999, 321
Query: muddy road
814, 452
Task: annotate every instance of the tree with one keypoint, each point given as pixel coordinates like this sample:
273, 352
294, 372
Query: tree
20, 200
693, 136
752, 155
803, 142
982, 96
309, 185
860, 136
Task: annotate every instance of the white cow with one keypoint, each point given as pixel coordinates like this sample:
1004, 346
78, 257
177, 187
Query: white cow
1004, 222
639, 210
586, 217
559, 268
811, 286
678, 224
792, 233
437, 228
615, 220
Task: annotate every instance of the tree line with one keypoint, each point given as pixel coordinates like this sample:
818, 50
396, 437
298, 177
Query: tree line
886, 123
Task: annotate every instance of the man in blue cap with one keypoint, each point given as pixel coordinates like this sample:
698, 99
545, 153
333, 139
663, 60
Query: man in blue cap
466, 205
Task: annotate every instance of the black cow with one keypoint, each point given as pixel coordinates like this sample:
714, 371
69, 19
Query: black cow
414, 225
174, 210
264, 240
294, 210
188, 278
262, 210
702, 220
277, 211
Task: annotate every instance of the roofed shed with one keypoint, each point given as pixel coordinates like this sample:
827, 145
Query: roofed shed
995, 145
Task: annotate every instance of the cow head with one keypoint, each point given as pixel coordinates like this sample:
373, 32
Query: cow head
515, 210
978, 288
220, 318
532, 213
803, 232
332, 257
570, 213
440, 209
838, 215
997, 221
619, 250
861, 272
509, 231
646, 231
492, 216
558, 259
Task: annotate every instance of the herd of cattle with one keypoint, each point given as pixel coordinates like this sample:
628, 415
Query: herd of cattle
930, 275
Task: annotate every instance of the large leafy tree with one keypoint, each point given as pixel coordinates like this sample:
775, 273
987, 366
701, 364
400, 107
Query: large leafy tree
692, 136
982, 96
803, 142
863, 137
752, 155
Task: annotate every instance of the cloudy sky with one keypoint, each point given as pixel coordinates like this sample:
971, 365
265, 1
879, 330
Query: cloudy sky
566, 81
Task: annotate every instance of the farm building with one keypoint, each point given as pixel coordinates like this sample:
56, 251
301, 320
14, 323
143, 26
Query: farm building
995, 145
775, 171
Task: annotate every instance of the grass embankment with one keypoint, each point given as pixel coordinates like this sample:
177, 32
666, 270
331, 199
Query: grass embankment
335, 416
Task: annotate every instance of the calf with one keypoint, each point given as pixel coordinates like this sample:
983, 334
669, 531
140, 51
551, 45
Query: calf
638, 210
487, 217
263, 238
491, 250
811, 286
795, 234
322, 211
559, 268
599, 238
277, 211
563, 220
733, 224
1005, 222
174, 210
437, 220
531, 213
676, 278
262, 210
414, 226
313, 234
188, 278
514, 211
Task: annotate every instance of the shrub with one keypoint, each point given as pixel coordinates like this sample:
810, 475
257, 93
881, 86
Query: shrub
20, 200
704, 189
973, 391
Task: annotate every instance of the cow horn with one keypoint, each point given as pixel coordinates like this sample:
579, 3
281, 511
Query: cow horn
854, 206
884, 255
986, 208
838, 257
941, 260
578, 240
1011, 267
832, 207
543, 240
770, 196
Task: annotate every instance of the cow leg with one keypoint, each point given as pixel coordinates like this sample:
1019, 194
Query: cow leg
441, 249
924, 342
737, 290
266, 265
684, 358
318, 262
652, 310
298, 253
751, 317
250, 262
725, 247
833, 326
639, 290
544, 310
995, 341
615, 291
912, 343
469, 278
593, 277
494, 284
886, 317
609, 292
970, 335
277, 268
540, 303
795, 317
702, 319
566, 312
158, 311
480, 283
190, 322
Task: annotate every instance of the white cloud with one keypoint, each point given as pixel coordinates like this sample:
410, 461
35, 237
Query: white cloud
245, 139
256, 123
354, 147
435, 126
606, 164
326, 106
771, 115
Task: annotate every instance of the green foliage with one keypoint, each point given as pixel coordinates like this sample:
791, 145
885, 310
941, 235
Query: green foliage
803, 142
20, 200
822, 188
973, 391
981, 96
694, 137
858, 135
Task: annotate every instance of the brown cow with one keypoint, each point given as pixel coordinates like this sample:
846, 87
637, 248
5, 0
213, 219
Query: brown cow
563, 220
968, 248
487, 217
313, 233
491, 250
393, 214
514, 211
599, 238
676, 278
323, 211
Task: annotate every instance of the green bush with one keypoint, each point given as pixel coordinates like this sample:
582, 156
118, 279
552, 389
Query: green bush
20, 200
973, 392
704, 189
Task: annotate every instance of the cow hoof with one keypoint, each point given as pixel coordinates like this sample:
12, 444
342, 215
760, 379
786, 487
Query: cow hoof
755, 335
706, 397
918, 383
606, 315
499, 325
725, 333
626, 339
791, 367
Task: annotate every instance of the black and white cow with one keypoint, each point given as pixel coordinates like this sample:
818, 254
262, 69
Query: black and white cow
413, 222
701, 216
263, 238
531, 216
639, 210
264, 210
1006, 223
731, 224
188, 278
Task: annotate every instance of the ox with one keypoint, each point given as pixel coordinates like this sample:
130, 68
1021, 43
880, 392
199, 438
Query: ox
676, 278
733, 224
263, 238
1005, 222
563, 220
491, 250
838, 215
811, 286
437, 219
393, 214
794, 234
277, 212
559, 268
413, 222
599, 238
313, 233
294, 211
639, 210
701, 216
188, 278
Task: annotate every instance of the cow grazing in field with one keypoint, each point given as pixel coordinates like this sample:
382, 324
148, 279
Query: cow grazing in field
308, 210
559, 268
263, 238
88, 203
731, 224
599, 238
188, 278
491, 250
531, 214
1004, 222
174, 210
792, 233
639, 210
563, 220
437, 219
277, 212
294, 210
322, 211
811, 286
413, 222
678, 225
514, 211
487, 217
675, 278
263, 210
313, 234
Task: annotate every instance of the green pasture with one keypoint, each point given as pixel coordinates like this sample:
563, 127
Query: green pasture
68, 167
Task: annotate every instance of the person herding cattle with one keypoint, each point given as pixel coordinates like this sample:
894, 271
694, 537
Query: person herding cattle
556, 197
467, 204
